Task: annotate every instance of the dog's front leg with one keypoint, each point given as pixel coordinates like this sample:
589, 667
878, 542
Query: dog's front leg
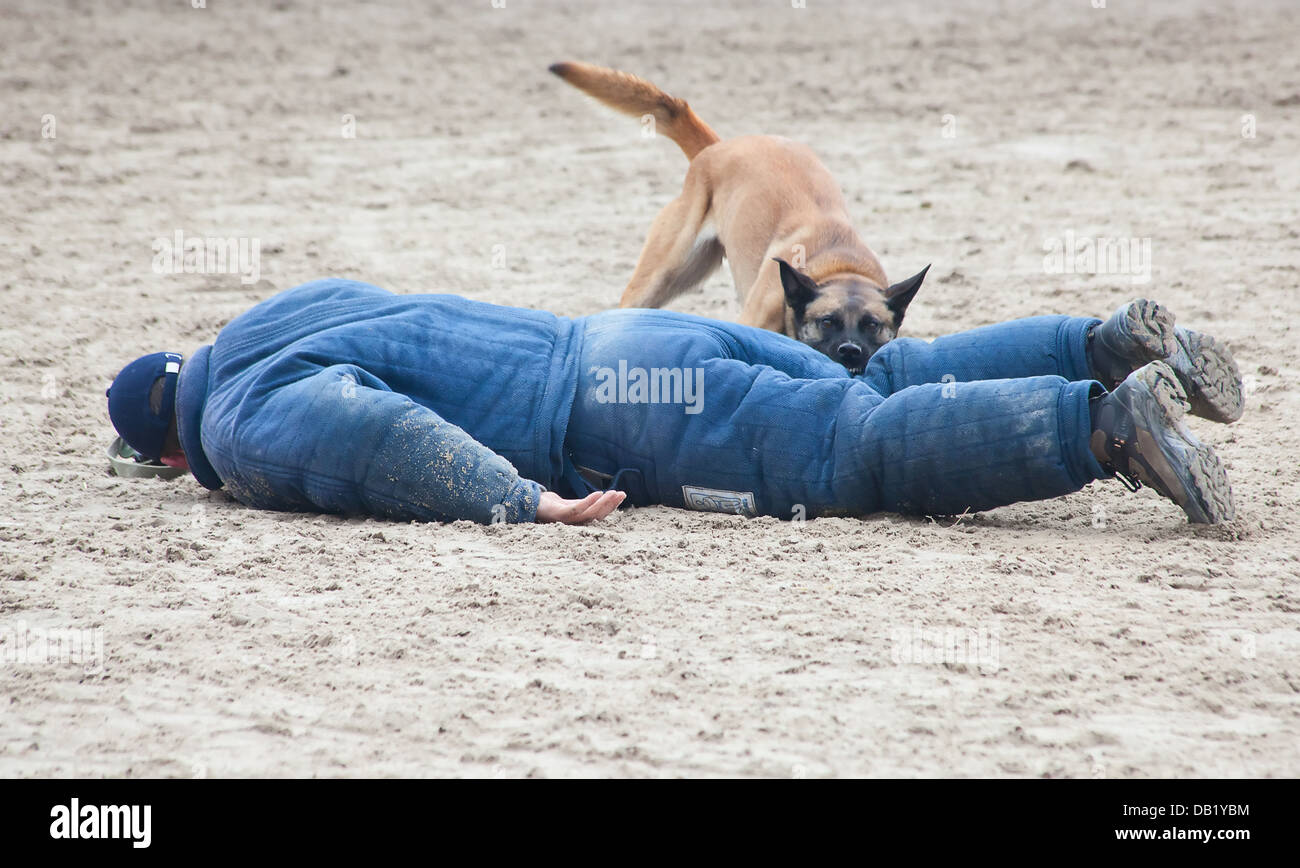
765, 306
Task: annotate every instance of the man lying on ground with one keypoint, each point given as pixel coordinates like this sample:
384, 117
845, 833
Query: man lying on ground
341, 397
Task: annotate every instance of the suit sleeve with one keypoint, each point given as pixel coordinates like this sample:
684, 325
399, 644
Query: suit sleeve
340, 441
792, 358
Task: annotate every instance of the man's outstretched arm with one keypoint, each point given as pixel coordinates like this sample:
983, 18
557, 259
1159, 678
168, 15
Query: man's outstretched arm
338, 441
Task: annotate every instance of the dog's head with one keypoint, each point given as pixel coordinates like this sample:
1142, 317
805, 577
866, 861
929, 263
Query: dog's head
847, 318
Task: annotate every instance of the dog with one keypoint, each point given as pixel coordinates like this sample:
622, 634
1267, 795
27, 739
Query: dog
760, 201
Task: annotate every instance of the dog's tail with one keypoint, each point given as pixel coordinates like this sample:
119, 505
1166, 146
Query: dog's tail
636, 96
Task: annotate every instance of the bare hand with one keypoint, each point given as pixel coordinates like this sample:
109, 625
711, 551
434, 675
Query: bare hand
593, 507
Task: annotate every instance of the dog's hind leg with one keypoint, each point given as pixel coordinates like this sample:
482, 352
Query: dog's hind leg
679, 253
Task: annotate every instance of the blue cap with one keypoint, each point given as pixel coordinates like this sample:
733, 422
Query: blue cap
128, 402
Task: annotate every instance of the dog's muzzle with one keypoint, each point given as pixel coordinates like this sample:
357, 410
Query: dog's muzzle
850, 355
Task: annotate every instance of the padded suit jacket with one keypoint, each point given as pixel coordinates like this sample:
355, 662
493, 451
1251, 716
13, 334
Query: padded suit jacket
337, 396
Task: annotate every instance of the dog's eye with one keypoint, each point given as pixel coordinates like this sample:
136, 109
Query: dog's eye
828, 322
870, 324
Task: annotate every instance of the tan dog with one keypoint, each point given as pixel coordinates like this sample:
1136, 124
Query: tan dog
757, 200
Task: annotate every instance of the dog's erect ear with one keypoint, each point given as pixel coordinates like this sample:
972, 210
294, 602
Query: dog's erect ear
900, 295
800, 289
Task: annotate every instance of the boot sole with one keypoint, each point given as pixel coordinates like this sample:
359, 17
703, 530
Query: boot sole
1151, 329
1206, 494
1210, 376
1203, 365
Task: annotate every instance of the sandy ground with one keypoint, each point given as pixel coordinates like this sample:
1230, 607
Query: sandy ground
1096, 635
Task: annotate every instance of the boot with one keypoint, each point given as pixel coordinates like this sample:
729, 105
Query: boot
1142, 331
1137, 433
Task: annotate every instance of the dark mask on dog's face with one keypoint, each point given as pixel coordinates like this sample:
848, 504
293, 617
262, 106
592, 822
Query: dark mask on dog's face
847, 319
